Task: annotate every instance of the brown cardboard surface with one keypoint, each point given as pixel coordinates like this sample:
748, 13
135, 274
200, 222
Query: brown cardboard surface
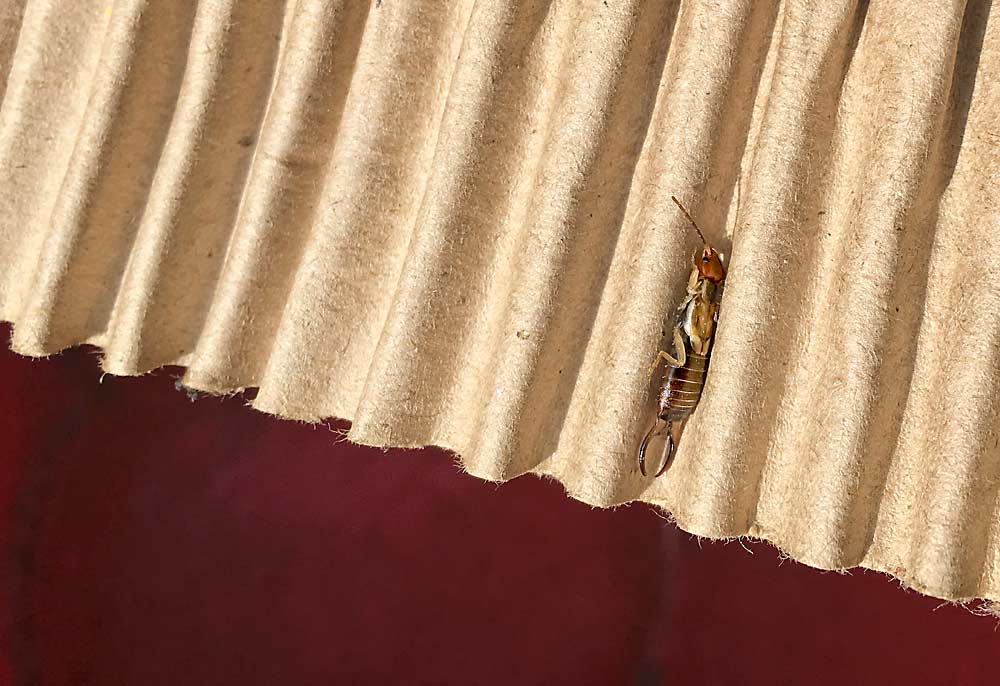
451, 224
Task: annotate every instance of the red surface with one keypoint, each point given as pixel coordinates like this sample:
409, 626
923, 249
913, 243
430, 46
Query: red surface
151, 540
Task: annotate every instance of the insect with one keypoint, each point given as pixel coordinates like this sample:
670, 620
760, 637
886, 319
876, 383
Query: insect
694, 332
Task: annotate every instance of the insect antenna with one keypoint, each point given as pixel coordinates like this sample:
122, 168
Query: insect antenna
690, 219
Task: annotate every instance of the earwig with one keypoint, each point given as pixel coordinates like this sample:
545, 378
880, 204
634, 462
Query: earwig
694, 332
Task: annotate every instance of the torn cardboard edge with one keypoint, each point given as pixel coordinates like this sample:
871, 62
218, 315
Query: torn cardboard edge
982, 606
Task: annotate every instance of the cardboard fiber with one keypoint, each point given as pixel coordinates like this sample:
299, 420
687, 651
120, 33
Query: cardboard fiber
450, 223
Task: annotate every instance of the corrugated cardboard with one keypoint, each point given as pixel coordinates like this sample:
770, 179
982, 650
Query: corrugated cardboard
451, 224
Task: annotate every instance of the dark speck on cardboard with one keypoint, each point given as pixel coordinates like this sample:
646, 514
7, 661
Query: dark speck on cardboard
246, 141
523, 335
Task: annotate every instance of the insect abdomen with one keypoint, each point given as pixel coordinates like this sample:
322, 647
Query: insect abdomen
682, 388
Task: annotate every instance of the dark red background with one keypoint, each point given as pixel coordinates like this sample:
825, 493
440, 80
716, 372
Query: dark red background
154, 540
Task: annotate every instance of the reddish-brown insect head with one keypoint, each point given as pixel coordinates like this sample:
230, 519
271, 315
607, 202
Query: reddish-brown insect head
709, 262
709, 265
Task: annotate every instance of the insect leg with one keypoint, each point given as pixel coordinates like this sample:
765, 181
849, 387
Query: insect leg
678, 348
664, 355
